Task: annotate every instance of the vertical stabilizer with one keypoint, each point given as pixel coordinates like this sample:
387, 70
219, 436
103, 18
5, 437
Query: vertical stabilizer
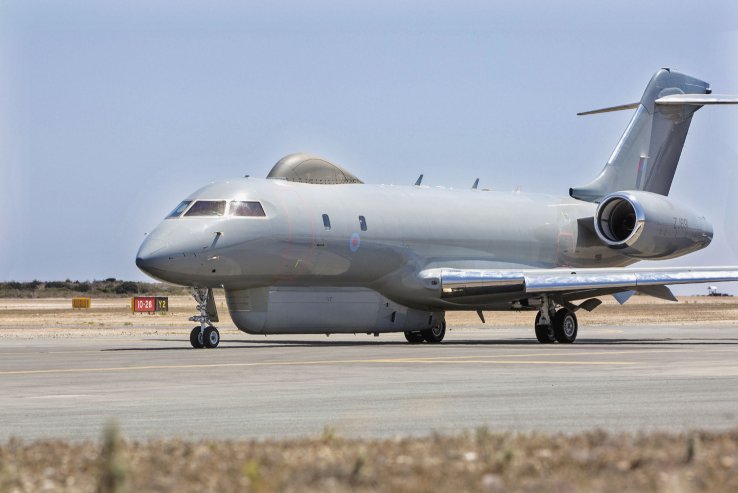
647, 154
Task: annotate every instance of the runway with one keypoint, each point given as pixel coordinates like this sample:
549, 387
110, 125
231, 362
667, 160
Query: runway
614, 378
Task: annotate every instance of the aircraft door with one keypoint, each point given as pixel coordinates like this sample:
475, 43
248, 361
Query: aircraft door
332, 240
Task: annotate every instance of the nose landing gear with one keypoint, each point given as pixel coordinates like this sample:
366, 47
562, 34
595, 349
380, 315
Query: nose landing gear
205, 335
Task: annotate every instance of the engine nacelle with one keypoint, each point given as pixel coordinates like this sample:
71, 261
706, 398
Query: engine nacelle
647, 225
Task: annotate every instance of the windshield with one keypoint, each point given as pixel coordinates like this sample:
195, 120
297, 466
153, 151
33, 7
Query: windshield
179, 209
241, 208
207, 208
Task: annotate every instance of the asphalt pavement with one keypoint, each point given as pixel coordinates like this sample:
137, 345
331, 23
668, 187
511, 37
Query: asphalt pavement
670, 378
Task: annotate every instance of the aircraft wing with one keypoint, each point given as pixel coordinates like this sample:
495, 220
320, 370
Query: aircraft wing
462, 285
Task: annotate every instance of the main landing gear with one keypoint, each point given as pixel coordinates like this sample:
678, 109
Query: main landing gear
204, 335
434, 335
555, 325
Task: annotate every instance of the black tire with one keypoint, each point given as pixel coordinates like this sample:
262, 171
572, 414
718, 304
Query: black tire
544, 333
434, 335
196, 338
565, 326
414, 337
211, 337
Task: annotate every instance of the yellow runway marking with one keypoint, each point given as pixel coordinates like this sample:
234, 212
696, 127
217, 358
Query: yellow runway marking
514, 362
570, 354
307, 363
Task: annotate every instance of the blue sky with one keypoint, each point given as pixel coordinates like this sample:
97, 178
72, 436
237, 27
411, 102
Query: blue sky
111, 113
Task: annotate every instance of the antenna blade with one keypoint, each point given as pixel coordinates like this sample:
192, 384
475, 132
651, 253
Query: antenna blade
476, 183
419, 180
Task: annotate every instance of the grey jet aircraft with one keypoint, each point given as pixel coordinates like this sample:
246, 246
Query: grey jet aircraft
313, 250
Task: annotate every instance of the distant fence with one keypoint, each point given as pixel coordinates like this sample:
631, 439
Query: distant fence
149, 304
80, 303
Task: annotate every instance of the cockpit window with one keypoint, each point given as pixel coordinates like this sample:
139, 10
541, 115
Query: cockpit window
207, 208
179, 209
250, 209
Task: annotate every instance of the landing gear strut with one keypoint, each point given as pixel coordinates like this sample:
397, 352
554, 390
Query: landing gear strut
555, 325
205, 335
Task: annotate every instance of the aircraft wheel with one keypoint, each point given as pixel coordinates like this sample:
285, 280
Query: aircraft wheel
544, 333
196, 338
435, 334
565, 326
414, 337
211, 338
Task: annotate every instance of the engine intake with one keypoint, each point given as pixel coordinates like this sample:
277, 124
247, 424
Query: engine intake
648, 225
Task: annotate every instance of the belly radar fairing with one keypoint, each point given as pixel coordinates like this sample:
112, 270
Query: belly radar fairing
312, 249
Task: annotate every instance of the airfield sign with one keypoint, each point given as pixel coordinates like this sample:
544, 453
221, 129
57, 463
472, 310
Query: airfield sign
149, 304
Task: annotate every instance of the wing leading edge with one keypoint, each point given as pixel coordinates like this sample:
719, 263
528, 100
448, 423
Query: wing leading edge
570, 284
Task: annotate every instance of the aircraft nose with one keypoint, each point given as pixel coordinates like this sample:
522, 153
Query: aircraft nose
144, 263
149, 258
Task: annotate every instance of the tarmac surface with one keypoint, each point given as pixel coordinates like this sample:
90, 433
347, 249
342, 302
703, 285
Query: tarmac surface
647, 378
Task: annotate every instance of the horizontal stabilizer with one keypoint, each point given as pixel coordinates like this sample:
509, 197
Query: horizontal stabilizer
673, 99
629, 106
697, 99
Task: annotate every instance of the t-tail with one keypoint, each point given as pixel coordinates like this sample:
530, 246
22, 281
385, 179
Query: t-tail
647, 154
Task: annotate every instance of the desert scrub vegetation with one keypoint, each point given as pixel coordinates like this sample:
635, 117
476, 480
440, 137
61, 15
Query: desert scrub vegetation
472, 461
107, 288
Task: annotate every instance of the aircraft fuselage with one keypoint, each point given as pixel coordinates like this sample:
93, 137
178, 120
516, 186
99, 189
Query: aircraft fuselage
377, 236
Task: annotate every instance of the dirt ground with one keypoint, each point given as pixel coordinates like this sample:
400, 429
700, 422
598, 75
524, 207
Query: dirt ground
54, 317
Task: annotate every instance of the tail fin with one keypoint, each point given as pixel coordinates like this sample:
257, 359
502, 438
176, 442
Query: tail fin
647, 154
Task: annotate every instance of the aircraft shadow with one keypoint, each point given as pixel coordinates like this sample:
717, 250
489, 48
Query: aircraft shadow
226, 345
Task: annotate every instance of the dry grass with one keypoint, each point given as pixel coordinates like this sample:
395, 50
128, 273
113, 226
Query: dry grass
475, 461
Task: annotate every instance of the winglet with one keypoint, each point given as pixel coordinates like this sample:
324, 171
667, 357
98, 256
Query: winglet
419, 180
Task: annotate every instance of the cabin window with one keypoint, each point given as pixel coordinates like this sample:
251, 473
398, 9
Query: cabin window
207, 208
247, 209
362, 223
179, 209
326, 222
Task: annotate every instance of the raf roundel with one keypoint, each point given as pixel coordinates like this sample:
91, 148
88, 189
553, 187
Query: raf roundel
354, 242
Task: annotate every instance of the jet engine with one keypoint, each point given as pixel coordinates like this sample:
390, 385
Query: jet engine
647, 225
